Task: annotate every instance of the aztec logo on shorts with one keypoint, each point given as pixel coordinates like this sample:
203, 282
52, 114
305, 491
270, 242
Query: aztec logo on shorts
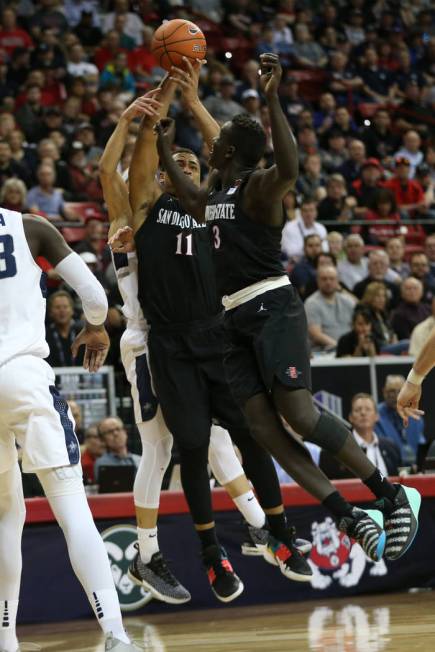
119, 541
292, 372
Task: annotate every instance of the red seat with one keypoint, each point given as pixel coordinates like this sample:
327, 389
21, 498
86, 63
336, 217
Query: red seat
86, 210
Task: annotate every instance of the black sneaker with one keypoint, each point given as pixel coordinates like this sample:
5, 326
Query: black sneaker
156, 578
223, 581
366, 526
256, 540
401, 520
291, 562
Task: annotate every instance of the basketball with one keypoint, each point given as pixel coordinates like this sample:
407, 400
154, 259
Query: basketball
176, 39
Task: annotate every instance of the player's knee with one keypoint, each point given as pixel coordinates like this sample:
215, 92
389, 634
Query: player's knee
11, 494
329, 433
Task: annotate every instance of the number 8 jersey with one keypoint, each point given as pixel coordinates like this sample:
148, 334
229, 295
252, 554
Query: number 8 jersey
175, 266
22, 304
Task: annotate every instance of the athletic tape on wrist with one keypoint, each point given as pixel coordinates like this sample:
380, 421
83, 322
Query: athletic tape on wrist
414, 378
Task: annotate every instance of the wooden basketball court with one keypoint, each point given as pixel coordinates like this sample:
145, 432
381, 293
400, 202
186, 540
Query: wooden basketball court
392, 622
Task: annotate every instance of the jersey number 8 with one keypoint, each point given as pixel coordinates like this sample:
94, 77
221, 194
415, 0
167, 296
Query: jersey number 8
8, 265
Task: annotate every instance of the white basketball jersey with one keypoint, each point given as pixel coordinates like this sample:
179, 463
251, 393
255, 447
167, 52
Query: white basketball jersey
22, 304
126, 274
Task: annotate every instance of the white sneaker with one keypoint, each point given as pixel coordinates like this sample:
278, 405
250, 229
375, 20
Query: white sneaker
115, 644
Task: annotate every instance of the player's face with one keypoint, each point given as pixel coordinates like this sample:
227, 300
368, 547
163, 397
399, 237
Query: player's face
219, 151
190, 166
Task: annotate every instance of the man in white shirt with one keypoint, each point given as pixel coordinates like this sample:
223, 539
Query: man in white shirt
77, 65
354, 268
329, 312
421, 332
381, 451
411, 150
133, 26
294, 232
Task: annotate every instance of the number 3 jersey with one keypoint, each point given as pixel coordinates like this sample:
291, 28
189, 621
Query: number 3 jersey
175, 266
22, 304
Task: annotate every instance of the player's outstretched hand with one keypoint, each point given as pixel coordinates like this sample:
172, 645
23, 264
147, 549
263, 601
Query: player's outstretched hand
165, 130
188, 79
408, 401
145, 105
271, 73
122, 242
97, 343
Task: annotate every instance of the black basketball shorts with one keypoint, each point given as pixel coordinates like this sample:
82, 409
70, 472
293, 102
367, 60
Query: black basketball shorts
267, 338
189, 379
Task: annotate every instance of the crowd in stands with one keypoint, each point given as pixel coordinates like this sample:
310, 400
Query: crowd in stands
358, 91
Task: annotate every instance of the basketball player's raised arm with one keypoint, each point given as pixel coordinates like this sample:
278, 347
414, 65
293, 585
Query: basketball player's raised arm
115, 189
188, 80
45, 240
144, 189
410, 394
274, 182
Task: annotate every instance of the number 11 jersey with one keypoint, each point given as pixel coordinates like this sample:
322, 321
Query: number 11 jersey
175, 266
22, 304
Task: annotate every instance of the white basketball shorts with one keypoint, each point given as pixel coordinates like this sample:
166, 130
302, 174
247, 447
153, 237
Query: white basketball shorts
33, 414
135, 358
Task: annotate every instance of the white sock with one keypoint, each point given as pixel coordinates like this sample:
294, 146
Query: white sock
148, 543
249, 506
105, 604
8, 619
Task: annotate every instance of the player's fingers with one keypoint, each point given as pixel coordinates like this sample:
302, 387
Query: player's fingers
181, 82
181, 72
188, 65
75, 347
86, 359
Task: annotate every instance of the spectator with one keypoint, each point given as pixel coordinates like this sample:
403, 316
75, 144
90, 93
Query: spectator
114, 435
295, 232
352, 166
380, 140
13, 195
61, 331
125, 41
336, 205
420, 269
85, 183
307, 142
249, 78
354, 29
355, 266
375, 299
77, 416
77, 64
411, 310
74, 10
377, 81
378, 270
396, 252
411, 113
335, 154
411, 150
133, 25
324, 117
47, 199
117, 75
343, 123
304, 271
390, 424
324, 259
384, 207
251, 104
87, 29
94, 239
141, 60
223, 107
329, 312
30, 114
306, 52
291, 101
360, 341
48, 152
429, 250
8, 166
382, 452
93, 449
343, 79
312, 182
421, 332
19, 150
408, 192
335, 244
48, 17
108, 51
12, 36
85, 135
366, 187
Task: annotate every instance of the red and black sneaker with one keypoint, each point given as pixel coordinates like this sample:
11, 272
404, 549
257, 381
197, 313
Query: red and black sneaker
290, 561
223, 581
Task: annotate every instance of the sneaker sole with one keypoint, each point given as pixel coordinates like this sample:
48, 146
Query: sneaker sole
253, 551
231, 597
291, 575
304, 549
156, 594
414, 499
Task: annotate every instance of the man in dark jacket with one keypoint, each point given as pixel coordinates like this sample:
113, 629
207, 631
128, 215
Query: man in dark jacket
380, 450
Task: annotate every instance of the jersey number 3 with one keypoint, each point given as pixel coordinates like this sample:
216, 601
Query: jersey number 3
8, 265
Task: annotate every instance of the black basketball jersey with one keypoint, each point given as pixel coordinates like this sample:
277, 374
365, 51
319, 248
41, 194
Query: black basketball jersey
245, 252
175, 266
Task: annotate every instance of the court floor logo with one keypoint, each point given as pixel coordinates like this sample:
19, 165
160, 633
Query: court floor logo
119, 541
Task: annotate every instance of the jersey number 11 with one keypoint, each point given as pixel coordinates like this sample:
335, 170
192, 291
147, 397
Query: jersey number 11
188, 246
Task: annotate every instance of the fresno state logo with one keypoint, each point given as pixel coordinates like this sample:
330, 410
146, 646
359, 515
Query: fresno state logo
331, 548
337, 558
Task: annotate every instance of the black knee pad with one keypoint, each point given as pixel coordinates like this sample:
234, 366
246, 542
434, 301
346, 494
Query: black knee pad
329, 433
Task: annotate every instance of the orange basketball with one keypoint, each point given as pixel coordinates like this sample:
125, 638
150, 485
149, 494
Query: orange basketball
176, 39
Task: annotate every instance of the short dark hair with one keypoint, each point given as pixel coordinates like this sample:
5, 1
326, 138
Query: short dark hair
364, 312
325, 254
308, 199
59, 293
365, 396
311, 235
249, 139
181, 150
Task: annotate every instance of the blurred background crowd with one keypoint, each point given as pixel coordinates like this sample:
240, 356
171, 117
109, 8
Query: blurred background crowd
358, 90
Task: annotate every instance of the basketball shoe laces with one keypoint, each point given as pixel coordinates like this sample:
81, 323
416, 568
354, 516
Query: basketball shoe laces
159, 567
